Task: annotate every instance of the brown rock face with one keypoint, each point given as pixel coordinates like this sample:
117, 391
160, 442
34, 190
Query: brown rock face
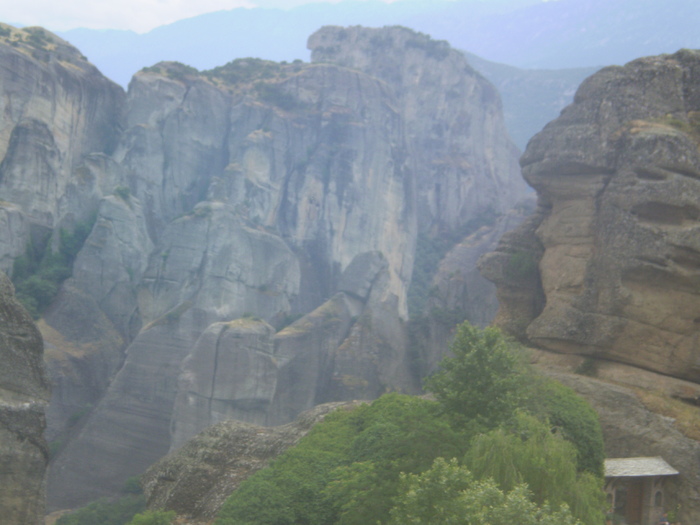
617, 236
24, 394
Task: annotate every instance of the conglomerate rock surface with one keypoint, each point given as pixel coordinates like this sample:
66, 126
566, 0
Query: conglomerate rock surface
609, 265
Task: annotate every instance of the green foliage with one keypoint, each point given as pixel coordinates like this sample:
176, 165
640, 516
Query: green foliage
380, 463
437, 49
37, 37
132, 486
244, 70
346, 469
530, 453
588, 367
484, 381
105, 512
180, 71
153, 517
448, 494
38, 274
521, 265
123, 192
575, 419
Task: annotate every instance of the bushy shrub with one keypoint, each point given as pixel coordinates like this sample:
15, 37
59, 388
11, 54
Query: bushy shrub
484, 380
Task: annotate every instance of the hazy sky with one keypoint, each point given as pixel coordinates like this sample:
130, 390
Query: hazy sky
137, 15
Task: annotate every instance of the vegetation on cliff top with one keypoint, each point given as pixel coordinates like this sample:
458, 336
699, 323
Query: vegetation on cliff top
498, 438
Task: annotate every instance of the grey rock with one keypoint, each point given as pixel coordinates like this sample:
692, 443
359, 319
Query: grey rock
462, 168
114, 258
24, 394
233, 194
47, 132
231, 373
83, 352
358, 277
459, 291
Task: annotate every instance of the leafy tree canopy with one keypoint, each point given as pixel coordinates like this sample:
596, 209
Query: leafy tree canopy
499, 445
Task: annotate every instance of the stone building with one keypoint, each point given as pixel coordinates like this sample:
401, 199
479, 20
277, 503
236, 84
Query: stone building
636, 489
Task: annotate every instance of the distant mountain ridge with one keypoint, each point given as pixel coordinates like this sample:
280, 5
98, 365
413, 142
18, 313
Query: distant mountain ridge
522, 33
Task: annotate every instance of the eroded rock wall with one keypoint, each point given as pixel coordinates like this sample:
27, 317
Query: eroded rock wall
227, 203
609, 266
24, 394
55, 109
459, 149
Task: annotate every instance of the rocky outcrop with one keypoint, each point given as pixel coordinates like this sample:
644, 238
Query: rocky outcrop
55, 109
222, 206
353, 346
24, 394
455, 132
231, 373
195, 481
60, 119
610, 263
271, 191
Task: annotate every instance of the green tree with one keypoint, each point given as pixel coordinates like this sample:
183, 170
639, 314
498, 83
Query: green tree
346, 470
482, 384
571, 415
528, 452
448, 494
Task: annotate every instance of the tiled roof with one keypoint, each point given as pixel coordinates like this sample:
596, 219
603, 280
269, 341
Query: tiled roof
636, 467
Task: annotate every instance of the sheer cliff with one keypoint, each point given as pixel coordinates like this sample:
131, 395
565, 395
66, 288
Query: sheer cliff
250, 231
609, 265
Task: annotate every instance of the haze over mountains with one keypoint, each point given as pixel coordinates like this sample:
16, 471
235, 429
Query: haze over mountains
550, 46
522, 33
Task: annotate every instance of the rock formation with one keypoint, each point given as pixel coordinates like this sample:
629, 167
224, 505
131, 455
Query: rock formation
220, 207
605, 274
609, 265
56, 109
24, 394
449, 132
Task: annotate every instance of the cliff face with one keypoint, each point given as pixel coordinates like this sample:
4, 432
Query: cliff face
460, 153
609, 266
226, 205
55, 109
24, 394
